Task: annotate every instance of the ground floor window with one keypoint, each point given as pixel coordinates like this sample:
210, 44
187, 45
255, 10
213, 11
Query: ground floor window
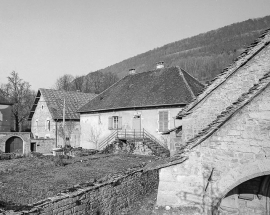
115, 122
163, 121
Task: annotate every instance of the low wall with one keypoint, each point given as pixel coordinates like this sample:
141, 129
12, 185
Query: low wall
44, 146
108, 197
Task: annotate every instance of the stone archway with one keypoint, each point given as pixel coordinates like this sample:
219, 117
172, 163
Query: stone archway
237, 176
14, 145
7, 137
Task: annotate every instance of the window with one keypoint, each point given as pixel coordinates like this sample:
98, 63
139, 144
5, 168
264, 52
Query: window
163, 121
36, 125
115, 122
48, 124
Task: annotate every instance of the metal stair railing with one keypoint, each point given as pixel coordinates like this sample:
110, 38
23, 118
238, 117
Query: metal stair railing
134, 135
151, 137
107, 140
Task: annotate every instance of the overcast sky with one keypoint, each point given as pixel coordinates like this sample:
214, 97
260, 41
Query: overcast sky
44, 39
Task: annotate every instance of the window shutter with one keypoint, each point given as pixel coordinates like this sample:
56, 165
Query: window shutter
163, 120
166, 120
160, 121
119, 122
110, 123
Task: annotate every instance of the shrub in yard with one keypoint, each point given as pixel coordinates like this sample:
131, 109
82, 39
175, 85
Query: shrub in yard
58, 161
6, 156
79, 152
36, 154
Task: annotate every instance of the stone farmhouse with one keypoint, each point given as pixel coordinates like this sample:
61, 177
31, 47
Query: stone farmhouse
222, 164
47, 118
137, 106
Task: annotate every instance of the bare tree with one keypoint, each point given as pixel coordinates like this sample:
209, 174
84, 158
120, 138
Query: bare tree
94, 135
64, 83
69, 128
22, 97
77, 83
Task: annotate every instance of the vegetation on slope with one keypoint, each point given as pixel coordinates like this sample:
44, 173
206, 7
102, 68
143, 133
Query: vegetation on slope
204, 55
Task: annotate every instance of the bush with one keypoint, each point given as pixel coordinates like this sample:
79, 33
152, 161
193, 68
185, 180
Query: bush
7, 156
59, 161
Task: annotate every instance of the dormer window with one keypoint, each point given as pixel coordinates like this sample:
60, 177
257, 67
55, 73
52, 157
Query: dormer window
42, 107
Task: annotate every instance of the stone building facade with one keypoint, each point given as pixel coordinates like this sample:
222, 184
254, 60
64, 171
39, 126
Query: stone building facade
47, 118
225, 139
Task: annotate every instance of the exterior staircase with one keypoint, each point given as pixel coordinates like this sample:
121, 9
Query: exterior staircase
133, 137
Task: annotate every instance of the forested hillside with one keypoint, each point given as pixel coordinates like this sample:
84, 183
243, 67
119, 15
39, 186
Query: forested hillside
204, 55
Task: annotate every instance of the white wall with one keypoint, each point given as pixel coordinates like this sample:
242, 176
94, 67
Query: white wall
99, 124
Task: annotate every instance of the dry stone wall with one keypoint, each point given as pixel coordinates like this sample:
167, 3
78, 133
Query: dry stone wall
106, 198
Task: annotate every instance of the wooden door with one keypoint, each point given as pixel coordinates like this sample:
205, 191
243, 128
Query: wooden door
137, 122
14, 145
33, 147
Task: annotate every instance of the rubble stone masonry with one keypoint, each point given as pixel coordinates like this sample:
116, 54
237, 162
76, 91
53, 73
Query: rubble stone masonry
106, 198
237, 152
225, 94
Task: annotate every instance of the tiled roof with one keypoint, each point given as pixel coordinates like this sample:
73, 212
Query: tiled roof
263, 83
55, 101
166, 86
3, 100
249, 53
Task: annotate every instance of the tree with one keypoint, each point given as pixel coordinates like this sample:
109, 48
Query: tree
64, 83
77, 83
22, 97
66, 132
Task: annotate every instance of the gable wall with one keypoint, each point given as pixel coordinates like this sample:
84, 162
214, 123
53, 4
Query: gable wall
42, 114
99, 123
228, 92
5, 117
238, 151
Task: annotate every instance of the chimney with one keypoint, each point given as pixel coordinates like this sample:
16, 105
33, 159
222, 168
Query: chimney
132, 71
160, 65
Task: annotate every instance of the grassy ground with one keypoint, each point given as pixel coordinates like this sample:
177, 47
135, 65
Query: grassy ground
27, 180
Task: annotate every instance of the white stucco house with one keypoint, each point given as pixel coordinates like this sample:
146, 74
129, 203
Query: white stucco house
138, 103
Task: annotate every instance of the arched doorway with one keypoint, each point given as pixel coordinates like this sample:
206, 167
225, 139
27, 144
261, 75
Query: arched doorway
243, 190
249, 197
14, 145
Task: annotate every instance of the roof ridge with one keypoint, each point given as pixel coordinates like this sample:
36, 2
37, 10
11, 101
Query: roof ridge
225, 115
249, 52
187, 84
195, 79
64, 91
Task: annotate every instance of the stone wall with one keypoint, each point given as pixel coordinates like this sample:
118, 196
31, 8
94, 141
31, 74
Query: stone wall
40, 128
105, 198
44, 146
225, 94
25, 136
235, 153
